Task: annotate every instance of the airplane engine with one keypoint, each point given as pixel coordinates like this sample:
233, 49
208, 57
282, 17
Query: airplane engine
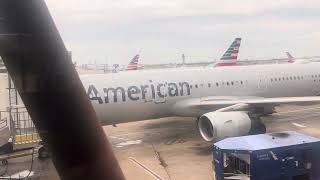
215, 126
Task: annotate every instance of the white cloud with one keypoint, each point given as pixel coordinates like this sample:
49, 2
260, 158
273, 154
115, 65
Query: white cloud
98, 29
148, 8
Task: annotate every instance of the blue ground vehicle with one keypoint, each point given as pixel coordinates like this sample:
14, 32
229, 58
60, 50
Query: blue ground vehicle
274, 156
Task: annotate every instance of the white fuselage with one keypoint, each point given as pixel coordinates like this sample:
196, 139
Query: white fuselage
150, 94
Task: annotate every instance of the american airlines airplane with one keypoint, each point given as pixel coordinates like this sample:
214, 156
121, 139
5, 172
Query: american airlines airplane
291, 59
226, 101
133, 64
230, 57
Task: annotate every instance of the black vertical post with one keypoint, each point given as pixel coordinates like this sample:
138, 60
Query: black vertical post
52, 92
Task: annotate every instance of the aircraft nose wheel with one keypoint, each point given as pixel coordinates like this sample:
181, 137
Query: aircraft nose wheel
257, 128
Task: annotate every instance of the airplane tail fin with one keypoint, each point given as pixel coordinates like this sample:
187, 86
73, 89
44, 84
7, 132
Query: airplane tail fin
133, 65
231, 55
290, 57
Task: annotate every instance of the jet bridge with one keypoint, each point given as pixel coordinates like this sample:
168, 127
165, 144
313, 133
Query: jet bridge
286, 156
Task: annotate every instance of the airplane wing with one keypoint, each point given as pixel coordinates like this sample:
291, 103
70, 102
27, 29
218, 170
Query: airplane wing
193, 106
261, 100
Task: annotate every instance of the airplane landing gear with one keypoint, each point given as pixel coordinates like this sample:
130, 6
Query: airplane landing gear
257, 127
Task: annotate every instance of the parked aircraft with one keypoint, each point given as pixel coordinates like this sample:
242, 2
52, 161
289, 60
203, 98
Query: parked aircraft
226, 101
230, 57
291, 59
133, 64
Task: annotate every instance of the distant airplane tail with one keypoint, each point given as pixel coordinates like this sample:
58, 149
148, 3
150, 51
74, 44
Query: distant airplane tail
133, 65
290, 57
230, 57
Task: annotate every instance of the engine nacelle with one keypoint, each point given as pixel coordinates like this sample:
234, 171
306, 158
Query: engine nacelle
215, 126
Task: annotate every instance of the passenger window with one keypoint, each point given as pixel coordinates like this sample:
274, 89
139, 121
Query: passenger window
287, 78
290, 78
196, 86
217, 84
231, 82
227, 83
294, 78
209, 85
271, 79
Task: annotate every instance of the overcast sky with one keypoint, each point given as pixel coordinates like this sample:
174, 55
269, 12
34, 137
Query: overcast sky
113, 31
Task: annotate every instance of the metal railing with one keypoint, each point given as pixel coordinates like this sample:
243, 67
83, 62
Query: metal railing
22, 129
3, 120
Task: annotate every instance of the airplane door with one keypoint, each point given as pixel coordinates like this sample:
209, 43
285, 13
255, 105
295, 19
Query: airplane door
161, 90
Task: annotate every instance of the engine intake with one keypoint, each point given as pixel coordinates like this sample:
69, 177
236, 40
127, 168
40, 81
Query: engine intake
215, 126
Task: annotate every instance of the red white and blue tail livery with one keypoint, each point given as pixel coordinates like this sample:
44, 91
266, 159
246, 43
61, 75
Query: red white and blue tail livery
133, 65
230, 57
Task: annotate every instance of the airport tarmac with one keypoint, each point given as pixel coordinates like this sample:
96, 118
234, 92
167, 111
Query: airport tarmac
183, 154
171, 148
